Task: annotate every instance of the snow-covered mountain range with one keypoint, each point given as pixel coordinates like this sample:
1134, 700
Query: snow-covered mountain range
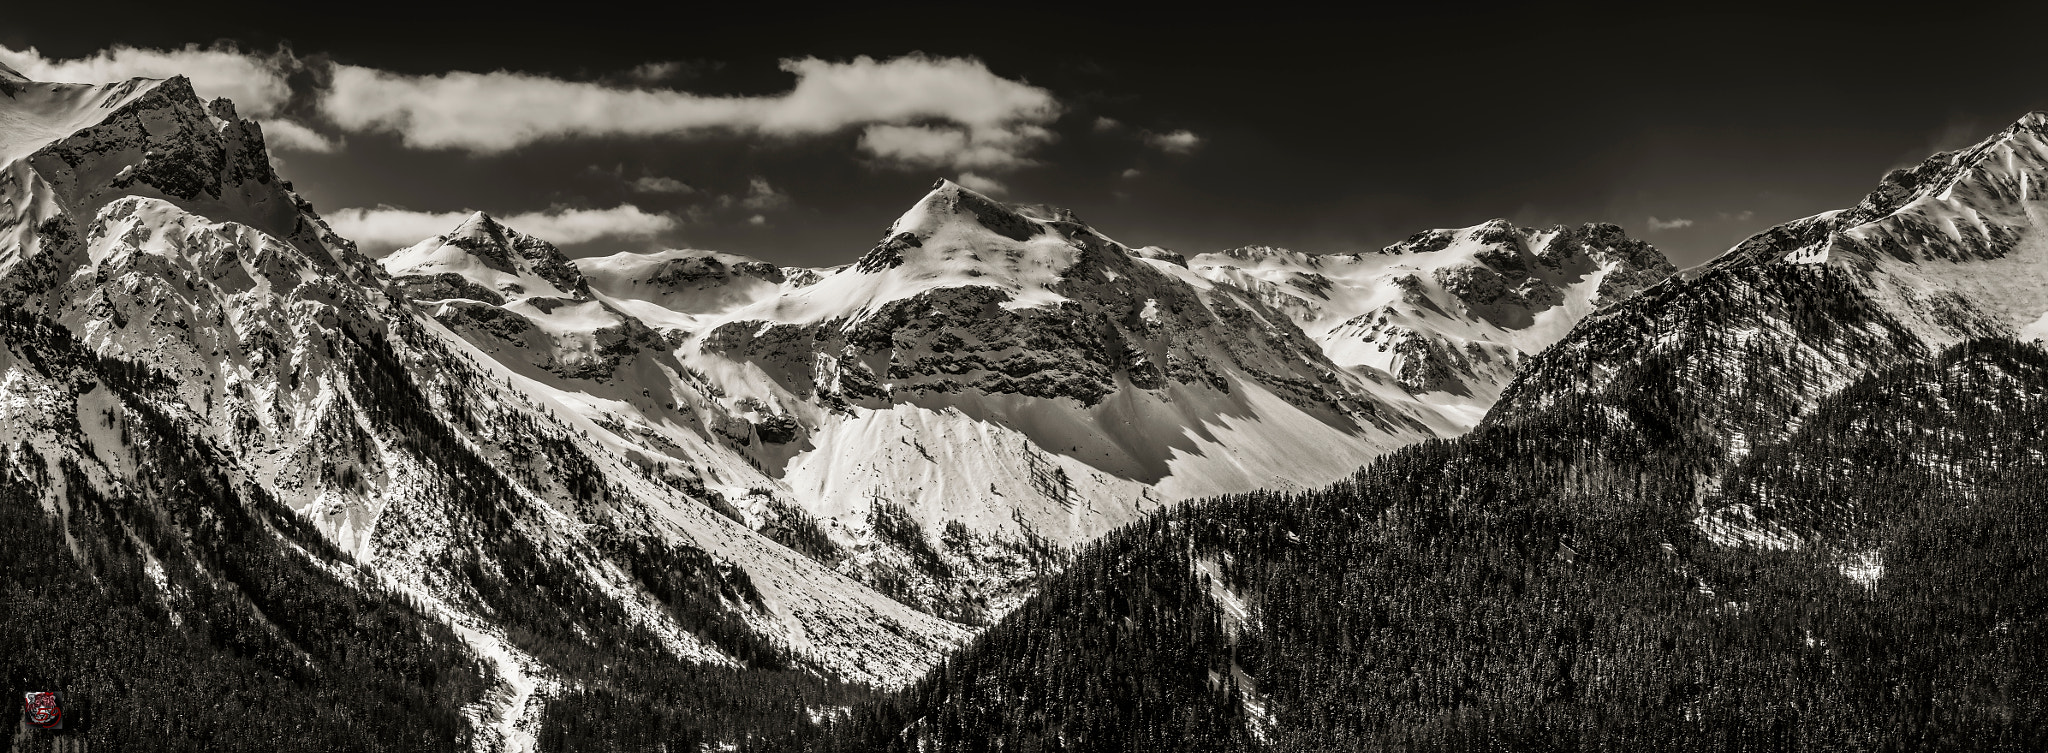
842, 471
150, 225
990, 384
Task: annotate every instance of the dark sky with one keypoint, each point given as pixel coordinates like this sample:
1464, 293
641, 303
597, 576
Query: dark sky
1323, 133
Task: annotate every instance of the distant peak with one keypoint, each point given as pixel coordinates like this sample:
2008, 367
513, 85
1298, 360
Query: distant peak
1260, 254
10, 74
1424, 242
480, 226
949, 202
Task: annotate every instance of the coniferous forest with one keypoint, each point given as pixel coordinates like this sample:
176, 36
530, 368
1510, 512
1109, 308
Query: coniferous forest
1542, 585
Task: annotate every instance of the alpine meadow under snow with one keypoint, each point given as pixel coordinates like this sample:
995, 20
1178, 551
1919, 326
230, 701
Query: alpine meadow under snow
1002, 482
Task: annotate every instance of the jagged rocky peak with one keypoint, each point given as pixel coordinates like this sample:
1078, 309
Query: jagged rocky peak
1516, 271
1977, 203
1422, 243
482, 259
74, 150
1556, 245
1903, 186
1940, 245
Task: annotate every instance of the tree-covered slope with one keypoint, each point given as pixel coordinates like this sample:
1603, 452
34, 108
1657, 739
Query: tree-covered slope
1542, 585
190, 610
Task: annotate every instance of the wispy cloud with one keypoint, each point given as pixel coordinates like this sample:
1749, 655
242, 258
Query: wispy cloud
657, 71
660, 184
1658, 226
761, 196
385, 228
920, 147
1177, 142
759, 200
982, 184
915, 110
1131, 172
279, 133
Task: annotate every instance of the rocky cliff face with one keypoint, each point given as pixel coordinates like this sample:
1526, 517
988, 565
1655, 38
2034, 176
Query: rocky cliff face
1037, 308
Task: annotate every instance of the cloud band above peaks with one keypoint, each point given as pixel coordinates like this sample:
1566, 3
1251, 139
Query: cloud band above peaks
385, 228
945, 110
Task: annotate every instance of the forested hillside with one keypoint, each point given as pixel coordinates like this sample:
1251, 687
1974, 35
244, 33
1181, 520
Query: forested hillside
1542, 585
194, 612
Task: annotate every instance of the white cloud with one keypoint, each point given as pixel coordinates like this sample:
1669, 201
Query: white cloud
991, 119
757, 220
982, 184
1107, 124
255, 82
950, 147
279, 133
659, 184
1177, 142
1131, 173
1658, 226
385, 228
653, 72
761, 196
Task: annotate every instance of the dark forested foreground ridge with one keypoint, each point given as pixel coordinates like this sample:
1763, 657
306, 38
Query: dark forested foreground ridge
1543, 585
